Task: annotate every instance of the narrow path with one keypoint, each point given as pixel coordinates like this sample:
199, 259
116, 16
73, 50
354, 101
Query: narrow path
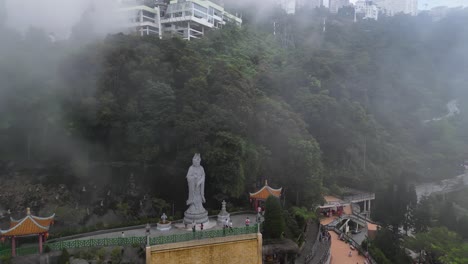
311, 235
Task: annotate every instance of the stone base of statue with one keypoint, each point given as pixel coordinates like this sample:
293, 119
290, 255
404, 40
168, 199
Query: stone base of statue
197, 217
164, 226
222, 219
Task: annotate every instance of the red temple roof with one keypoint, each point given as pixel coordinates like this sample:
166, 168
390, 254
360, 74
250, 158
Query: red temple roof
29, 225
265, 192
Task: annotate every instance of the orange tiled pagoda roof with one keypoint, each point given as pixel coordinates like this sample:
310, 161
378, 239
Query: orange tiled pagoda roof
29, 225
265, 192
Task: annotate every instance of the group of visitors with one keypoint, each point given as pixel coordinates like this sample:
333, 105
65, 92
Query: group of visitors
228, 224
324, 234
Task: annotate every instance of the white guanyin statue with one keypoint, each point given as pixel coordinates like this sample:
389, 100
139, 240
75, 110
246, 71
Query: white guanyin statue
196, 197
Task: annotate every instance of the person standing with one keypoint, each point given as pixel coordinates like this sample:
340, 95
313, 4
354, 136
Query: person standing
247, 221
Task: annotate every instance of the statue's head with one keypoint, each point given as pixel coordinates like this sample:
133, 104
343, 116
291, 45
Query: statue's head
196, 160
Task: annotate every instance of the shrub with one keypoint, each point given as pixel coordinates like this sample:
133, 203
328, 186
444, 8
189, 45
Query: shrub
64, 258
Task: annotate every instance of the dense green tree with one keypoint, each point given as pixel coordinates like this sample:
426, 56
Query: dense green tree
274, 224
440, 244
423, 215
388, 242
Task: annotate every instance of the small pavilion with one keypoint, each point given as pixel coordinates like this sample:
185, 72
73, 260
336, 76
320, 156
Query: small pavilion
28, 226
261, 195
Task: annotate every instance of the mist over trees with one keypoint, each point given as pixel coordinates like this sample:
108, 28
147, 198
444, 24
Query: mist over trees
306, 109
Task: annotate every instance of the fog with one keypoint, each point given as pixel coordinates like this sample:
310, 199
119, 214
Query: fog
59, 16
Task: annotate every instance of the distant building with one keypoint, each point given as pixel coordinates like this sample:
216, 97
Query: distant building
191, 19
289, 6
309, 3
393, 7
439, 12
187, 18
335, 5
366, 10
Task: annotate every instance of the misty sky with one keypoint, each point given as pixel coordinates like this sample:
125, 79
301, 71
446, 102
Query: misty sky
57, 16
423, 4
433, 3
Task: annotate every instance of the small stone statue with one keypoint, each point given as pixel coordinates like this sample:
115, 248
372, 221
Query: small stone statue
148, 229
164, 218
223, 214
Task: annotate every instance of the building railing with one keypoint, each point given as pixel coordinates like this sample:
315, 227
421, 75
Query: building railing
325, 256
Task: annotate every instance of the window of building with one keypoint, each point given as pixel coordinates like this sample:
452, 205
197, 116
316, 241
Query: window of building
200, 8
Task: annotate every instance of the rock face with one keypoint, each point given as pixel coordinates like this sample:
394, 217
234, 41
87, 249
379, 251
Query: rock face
196, 213
223, 215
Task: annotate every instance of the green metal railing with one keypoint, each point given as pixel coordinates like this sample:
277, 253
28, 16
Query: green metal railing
130, 241
101, 242
203, 235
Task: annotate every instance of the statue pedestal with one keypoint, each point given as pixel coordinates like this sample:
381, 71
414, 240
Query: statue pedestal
164, 227
222, 219
197, 217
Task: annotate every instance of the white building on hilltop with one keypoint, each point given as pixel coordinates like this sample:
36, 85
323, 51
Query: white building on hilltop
191, 18
186, 18
144, 16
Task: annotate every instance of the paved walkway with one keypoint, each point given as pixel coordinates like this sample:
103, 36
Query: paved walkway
340, 251
237, 221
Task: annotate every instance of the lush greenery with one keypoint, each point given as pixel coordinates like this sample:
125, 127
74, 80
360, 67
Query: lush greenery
439, 245
107, 129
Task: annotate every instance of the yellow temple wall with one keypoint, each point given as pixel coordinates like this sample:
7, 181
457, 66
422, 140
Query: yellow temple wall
245, 249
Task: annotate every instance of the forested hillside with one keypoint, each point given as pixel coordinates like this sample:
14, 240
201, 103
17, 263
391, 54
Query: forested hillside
112, 125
